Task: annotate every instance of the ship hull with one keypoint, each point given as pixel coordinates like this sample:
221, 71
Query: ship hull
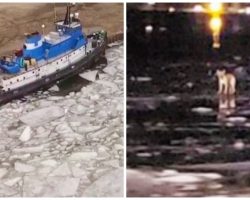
85, 63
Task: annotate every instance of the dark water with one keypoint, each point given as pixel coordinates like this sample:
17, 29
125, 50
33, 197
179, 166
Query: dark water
160, 114
174, 116
164, 130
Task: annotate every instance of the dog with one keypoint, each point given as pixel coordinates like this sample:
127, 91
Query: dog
226, 82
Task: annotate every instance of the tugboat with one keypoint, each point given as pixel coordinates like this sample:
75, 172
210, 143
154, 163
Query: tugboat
46, 59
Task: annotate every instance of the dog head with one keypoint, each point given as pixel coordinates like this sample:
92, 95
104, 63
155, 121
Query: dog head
220, 73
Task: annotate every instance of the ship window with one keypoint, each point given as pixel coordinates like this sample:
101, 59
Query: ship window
10, 82
61, 59
17, 80
33, 72
57, 63
38, 69
24, 78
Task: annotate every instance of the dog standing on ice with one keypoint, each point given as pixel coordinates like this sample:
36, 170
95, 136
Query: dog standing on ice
226, 82
226, 91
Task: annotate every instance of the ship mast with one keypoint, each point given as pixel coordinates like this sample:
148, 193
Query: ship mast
67, 16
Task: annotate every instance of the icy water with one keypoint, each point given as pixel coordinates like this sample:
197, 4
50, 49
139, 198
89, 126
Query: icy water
66, 141
183, 139
180, 131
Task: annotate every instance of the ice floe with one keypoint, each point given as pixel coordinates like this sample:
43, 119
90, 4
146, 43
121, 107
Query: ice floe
22, 167
83, 156
26, 134
41, 116
54, 88
90, 75
236, 119
3, 171
202, 110
66, 146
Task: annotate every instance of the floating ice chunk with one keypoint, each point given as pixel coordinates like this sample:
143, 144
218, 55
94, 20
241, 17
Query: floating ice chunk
72, 94
62, 170
170, 99
103, 76
77, 172
94, 97
75, 123
100, 133
83, 156
44, 103
51, 163
61, 187
237, 58
41, 116
21, 167
19, 157
108, 84
210, 176
236, 119
54, 98
120, 66
144, 155
114, 163
3, 172
189, 188
114, 176
102, 149
26, 134
15, 110
181, 179
144, 79
87, 129
202, 110
201, 150
78, 109
12, 181
90, 75
190, 84
214, 186
239, 145
119, 107
35, 149
167, 172
110, 70
6, 191
118, 147
40, 130
63, 128
54, 88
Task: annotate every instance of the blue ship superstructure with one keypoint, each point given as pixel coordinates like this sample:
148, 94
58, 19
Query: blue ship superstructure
67, 36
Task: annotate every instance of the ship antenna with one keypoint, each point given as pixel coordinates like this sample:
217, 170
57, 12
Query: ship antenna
54, 12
